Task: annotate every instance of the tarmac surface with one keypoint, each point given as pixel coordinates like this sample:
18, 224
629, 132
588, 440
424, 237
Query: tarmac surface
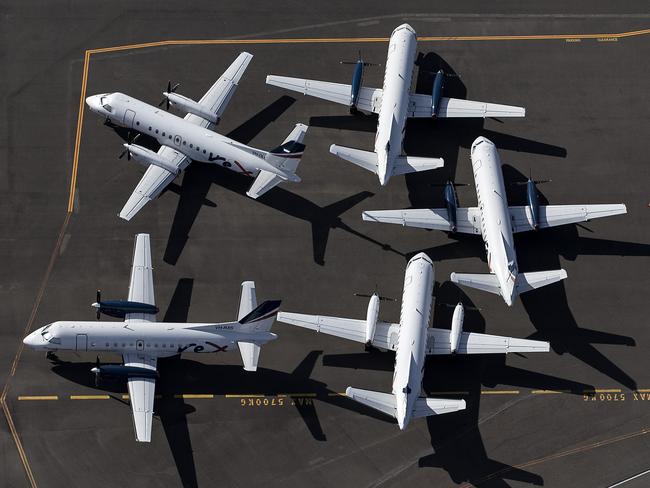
577, 416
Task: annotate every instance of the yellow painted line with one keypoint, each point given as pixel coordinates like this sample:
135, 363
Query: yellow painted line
500, 392
38, 397
611, 390
77, 143
125, 397
549, 392
244, 396
194, 395
337, 394
89, 397
19, 444
647, 390
313, 40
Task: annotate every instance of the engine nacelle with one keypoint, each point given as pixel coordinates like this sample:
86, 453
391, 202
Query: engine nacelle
436, 92
533, 202
371, 318
121, 371
191, 106
357, 80
451, 201
456, 327
119, 308
146, 157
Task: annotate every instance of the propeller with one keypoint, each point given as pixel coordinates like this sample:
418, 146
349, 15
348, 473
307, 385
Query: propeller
359, 59
466, 307
97, 372
365, 295
530, 178
99, 300
129, 141
170, 89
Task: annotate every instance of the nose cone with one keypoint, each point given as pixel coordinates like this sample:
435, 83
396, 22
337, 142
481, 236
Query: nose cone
93, 103
480, 140
33, 340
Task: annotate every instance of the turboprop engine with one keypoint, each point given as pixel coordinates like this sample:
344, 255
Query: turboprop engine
146, 157
372, 315
456, 327
191, 106
436, 92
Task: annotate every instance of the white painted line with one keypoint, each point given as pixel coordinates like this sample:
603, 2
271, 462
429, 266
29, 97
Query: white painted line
630, 479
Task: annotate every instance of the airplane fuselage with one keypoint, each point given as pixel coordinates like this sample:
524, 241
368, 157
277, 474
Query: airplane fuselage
410, 353
396, 88
194, 141
496, 226
158, 339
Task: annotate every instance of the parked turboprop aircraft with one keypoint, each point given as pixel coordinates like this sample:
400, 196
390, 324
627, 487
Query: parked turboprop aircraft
496, 222
192, 138
141, 341
412, 340
394, 103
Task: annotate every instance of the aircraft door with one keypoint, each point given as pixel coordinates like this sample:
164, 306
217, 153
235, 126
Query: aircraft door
177, 140
129, 116
82, 342
139, 345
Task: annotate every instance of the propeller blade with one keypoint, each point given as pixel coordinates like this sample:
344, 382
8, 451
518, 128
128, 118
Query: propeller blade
99, 313
362, 295
98, 296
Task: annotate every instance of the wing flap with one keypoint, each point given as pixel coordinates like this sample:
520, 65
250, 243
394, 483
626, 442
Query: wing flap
467, 219
438, 342
350, 329
141, 395
369, 98
141, 283
554, 215
420, 107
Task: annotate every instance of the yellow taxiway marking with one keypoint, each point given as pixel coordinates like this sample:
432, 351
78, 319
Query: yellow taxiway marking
499, 392
89, 397
646, 390
314, 40
604, 390
194, 395
38, 397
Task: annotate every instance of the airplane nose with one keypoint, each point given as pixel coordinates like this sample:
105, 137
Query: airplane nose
93, 103
31, 340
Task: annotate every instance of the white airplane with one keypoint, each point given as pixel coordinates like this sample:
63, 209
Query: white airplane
412, 339
394, 103
496, 222
141, 341
192, 138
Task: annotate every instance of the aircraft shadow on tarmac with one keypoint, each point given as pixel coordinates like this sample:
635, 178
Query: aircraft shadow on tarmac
542, 250
456, 440
438, 138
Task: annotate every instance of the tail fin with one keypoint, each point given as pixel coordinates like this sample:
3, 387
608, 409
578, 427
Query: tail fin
288, 154
285, 157
537, 279
485, 282
259, 319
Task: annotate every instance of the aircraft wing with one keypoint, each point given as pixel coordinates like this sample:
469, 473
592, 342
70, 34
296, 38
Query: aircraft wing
217, 97
154, 181
369, 98
468, 220
351, 329
438, 342
141, 395
554, 215
420, 107
141, 284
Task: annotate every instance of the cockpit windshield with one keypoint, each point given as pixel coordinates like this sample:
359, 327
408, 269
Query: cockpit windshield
104, 103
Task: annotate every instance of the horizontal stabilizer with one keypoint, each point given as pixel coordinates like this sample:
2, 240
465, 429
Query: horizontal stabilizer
250, 354
264, 182
485, 282
384, 402
425, 407
537, 279
413, 164
365, 159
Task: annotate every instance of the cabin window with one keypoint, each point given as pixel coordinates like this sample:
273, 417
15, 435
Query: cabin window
123, 345
149, 127
137, 123
204, 151
198, 148
155, 345
156, 131
115, 344
191, 145
108, 344
184, 143
164, 345
170, 136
